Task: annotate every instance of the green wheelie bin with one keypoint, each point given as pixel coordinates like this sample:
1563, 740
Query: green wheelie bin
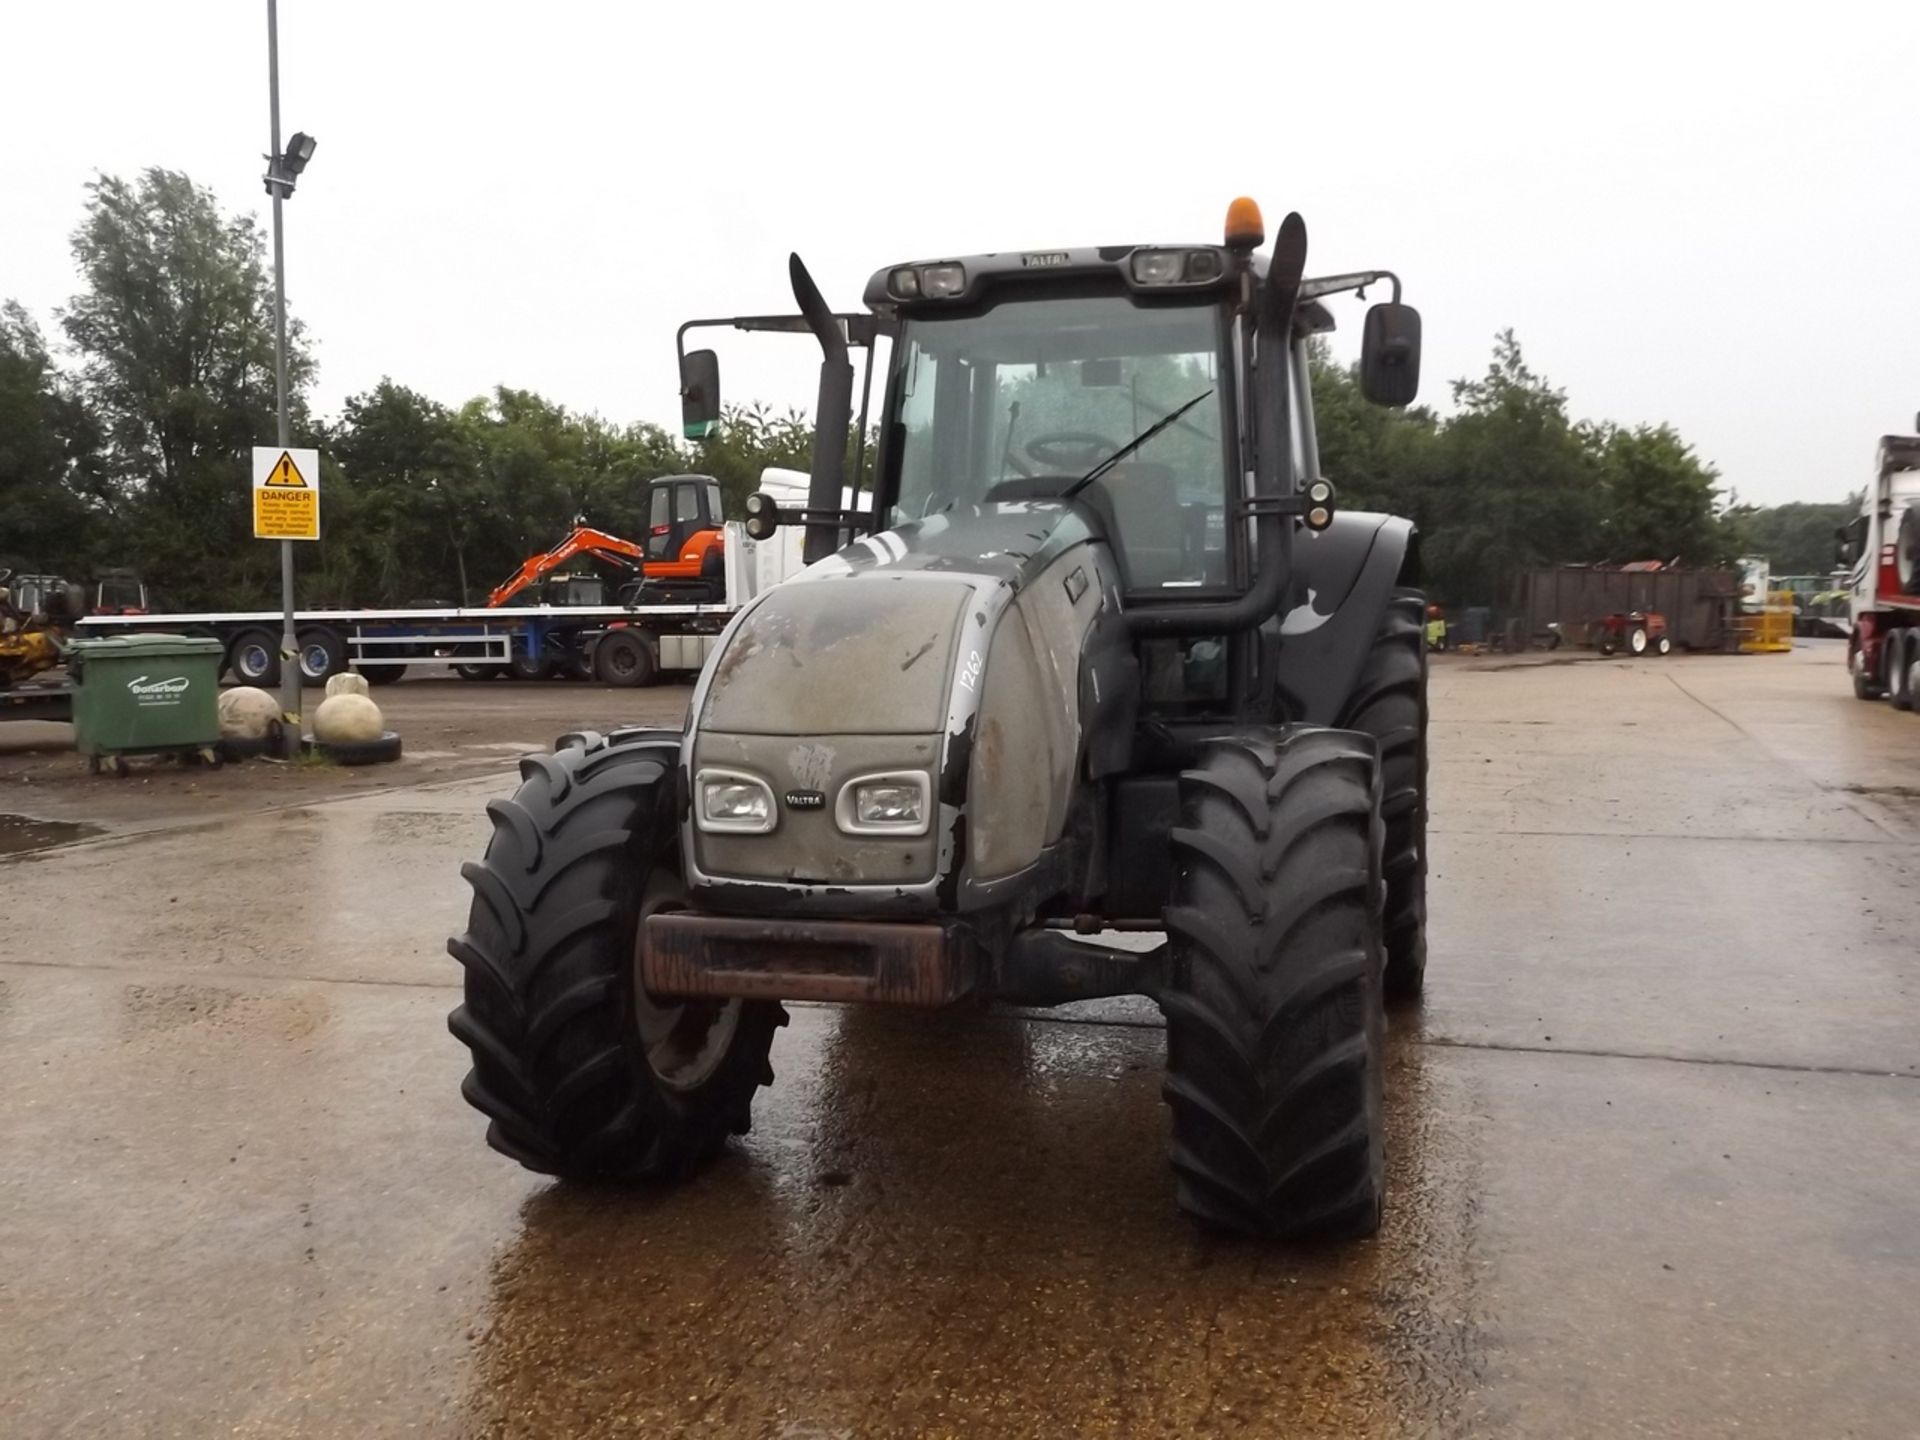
146, 695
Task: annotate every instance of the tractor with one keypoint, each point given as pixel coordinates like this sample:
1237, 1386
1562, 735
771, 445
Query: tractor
1094, 692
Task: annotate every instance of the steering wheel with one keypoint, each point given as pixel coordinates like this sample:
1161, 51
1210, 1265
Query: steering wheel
1072, 452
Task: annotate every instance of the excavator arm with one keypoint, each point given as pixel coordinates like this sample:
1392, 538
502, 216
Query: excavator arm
595, 544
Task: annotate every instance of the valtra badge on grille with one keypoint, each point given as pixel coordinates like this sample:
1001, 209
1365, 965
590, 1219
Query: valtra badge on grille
806, 800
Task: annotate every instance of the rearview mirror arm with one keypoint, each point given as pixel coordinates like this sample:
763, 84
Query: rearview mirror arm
1356, 281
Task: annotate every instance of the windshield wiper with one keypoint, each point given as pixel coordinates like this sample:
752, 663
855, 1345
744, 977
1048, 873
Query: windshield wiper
1132, 445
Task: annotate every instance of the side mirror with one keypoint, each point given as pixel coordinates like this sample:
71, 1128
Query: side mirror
1842, 548
699, 393
1390, 354
763, 516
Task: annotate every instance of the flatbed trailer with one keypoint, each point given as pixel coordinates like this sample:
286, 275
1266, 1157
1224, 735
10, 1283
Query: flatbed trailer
36, 702
527, 641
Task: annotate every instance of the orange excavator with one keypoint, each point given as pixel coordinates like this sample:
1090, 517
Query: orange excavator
682, 561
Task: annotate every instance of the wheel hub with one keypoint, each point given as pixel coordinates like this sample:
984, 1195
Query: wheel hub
685, 1040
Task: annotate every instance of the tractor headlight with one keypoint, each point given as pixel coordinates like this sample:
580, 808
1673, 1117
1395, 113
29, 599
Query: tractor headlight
892, 804
732, 803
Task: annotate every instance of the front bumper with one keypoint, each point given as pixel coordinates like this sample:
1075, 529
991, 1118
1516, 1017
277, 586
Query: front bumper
683, 953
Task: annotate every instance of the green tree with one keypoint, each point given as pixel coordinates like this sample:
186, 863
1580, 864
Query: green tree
748, 440
174, 330
412, 503
50, 482
1659, 500
1519, 484
1797, 538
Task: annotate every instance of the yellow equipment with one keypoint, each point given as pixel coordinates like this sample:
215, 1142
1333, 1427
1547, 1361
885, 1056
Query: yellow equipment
1768, 630
28, 635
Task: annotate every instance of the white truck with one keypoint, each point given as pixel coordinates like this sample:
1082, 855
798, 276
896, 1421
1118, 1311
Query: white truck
1880, 550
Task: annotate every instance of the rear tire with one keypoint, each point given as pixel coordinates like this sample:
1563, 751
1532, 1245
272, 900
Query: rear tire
1637, 640
624, 658
579, 1071
1275, 1028
1390, 704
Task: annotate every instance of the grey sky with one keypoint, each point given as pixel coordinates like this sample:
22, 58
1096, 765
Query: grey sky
1693, 213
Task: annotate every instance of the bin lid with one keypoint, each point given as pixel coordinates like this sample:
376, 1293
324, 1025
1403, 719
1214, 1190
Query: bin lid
152, 647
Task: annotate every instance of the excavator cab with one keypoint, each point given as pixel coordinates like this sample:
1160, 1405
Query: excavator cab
685, 548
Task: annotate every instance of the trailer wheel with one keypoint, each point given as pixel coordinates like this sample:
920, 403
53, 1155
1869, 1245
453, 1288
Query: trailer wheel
1275, 1028
624, 658
385, 672
254, 658
477, 672
323, 655
1390, 704
523, 666
581, 1073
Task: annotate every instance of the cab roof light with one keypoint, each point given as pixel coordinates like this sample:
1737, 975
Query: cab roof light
1245, 229
938, 282
1175, 267
927, 282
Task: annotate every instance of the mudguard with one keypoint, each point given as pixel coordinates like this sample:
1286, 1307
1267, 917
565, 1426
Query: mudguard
1346, 576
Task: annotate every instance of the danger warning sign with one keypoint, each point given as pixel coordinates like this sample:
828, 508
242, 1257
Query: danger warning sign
286, 493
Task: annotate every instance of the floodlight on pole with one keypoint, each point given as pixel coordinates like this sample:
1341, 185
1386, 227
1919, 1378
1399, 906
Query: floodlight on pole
285, 167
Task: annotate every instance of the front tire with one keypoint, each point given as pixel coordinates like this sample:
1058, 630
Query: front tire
1275, 1027
581, 1073
1390, 704
1865, 687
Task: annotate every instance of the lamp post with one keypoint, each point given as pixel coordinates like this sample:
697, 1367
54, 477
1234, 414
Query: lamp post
283, 166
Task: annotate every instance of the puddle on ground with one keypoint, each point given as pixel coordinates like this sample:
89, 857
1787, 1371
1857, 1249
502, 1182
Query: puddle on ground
20, 833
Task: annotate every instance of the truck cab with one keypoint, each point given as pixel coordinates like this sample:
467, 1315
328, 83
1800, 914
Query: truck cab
1880, 551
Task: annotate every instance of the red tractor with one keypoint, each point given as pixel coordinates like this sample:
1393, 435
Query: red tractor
1638, 632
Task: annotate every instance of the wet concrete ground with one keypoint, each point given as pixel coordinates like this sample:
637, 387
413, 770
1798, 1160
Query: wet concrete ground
1655, 1139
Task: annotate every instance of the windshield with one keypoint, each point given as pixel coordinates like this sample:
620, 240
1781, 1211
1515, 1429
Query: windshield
1022, 400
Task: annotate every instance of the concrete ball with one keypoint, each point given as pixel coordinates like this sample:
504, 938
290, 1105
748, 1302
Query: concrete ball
246, 713
346, 683
347, 719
